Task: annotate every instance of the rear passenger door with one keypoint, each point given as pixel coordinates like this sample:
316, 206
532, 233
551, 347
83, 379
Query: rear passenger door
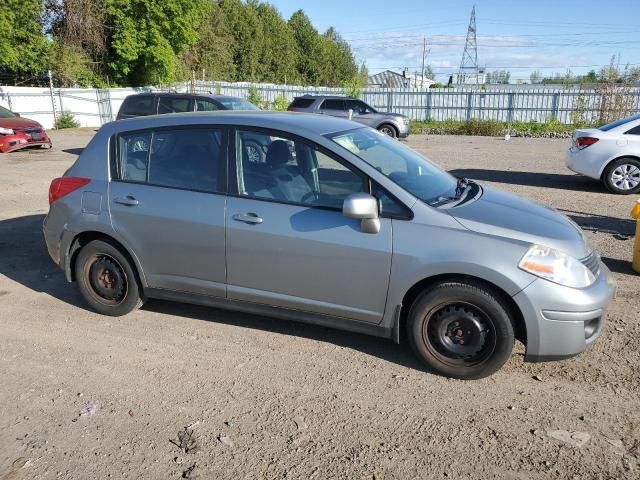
167, 202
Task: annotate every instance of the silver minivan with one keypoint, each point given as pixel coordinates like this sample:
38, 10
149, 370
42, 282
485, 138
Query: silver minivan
340, 226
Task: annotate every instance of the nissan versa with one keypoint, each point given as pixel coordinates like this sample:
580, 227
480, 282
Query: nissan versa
339, 226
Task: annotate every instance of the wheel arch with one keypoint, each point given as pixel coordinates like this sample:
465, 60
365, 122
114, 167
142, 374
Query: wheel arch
417, 288
606, 164
83, 238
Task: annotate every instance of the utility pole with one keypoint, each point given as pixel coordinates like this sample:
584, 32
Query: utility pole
424, 53
469, 61
53, 102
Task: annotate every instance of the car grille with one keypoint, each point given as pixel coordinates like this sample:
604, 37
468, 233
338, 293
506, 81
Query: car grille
592, 262
29, 130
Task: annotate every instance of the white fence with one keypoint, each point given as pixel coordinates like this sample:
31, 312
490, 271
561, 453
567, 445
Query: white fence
93, 107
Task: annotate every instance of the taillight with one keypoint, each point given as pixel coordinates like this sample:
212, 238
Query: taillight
64, 186
584, 142
292, 109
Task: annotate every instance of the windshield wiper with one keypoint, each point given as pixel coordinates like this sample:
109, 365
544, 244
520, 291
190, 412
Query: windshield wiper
461, 186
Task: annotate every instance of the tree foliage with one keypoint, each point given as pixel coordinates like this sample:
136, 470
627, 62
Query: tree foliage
23, 45
146, 42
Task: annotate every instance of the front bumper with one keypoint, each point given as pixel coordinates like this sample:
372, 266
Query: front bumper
403, 130
19, 140
562, 322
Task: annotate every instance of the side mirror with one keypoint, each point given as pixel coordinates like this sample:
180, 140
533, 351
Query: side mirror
364, 207
16, 114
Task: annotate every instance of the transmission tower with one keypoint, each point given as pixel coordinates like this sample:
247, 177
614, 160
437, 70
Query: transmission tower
469, 64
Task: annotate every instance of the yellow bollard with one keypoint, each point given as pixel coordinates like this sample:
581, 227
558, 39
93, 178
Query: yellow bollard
635, 213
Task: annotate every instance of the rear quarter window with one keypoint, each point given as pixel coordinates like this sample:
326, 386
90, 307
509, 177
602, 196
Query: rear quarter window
139, 105
302, 103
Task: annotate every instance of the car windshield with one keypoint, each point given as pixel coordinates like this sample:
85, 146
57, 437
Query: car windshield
4, 113
237, 104
410, 170
617, 123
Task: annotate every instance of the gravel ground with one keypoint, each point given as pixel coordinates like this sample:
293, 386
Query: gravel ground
179, 391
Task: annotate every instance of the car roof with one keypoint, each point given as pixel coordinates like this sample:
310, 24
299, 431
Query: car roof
186, 94
329, 97
293, 122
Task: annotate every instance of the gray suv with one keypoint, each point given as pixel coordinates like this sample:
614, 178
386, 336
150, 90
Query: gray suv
393, 124
341, 226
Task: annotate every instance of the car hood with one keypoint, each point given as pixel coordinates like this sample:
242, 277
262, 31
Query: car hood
18, 123
391, 114
507, 215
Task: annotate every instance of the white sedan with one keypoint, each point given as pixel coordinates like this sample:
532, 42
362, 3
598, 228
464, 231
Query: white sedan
610, 153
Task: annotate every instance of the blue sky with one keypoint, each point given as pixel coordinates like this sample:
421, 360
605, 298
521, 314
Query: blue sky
519, 36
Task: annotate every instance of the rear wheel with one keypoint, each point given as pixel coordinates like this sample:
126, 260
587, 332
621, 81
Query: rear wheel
622, 176
461, 330
106, 279
388, 130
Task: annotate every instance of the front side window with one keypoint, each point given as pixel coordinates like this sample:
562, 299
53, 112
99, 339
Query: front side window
359, 107
189, 159
231, 103
405, 167
293, 172
174, 105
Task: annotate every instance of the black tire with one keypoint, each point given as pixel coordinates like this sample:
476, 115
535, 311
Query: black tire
389, 130
615, 173
106, 279
434, 329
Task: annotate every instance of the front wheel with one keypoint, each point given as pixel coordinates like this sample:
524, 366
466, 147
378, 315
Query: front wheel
106, 279
622, 176
388, 130
461, 330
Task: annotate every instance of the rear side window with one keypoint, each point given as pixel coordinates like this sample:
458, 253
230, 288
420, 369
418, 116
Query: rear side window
333, 104
203, 105
634, 131
139, 105
191, 159
617, 123
301, 103
174, 105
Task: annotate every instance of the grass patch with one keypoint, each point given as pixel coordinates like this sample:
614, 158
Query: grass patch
491, 128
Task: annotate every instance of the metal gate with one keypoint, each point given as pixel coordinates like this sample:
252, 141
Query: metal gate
104, 106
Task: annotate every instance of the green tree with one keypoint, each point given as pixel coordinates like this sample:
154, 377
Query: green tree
213, 51
279, 49
310, 46
23, 45
146, 35
243, 21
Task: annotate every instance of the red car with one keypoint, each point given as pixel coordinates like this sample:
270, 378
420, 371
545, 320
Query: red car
17, 132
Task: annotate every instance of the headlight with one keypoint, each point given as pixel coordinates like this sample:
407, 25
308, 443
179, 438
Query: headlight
6, 131
556, 267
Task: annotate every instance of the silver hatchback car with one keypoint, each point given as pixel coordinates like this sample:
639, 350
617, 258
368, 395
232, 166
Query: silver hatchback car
340, 226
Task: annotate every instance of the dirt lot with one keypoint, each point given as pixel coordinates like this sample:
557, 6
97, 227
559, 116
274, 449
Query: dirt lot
271, 399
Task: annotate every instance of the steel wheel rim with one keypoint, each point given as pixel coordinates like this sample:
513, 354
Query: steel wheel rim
626, 176
459, 334
107, 280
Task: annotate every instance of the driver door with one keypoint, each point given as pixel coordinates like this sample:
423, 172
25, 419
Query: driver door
288, 244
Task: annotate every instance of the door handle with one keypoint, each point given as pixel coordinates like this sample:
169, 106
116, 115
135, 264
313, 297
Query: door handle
129, 201
251, 218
